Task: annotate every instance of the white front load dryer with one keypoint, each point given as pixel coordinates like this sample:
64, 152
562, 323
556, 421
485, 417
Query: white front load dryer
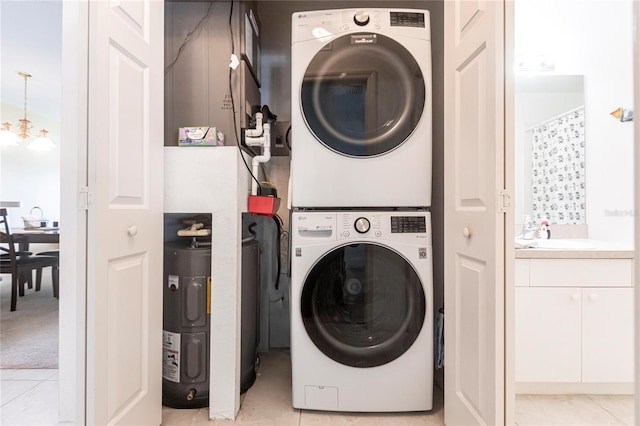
361, 108
362, 311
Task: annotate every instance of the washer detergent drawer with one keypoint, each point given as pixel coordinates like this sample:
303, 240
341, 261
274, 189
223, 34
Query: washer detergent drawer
321, 397
315, 226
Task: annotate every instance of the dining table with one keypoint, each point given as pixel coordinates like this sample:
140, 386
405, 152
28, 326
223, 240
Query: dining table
26, 236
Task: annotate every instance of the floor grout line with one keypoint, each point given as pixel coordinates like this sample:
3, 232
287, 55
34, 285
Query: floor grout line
605, 409
37, 383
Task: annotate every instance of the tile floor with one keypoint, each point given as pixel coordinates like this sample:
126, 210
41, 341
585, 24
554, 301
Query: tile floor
268, 402
30, 397
580, 410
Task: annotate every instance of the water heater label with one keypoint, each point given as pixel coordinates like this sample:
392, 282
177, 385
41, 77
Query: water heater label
171, 356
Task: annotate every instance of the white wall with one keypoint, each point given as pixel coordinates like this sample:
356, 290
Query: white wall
32, 177
593, 38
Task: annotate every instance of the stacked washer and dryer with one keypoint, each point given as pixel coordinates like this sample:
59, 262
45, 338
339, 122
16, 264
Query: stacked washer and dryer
361, 260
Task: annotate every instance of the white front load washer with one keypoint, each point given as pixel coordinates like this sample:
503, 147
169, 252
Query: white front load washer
362, 311
361, 108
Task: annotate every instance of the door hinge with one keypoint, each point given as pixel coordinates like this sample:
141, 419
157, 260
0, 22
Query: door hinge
85, 198
504, 200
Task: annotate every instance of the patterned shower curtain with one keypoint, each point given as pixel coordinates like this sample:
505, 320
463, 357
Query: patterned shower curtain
558, 169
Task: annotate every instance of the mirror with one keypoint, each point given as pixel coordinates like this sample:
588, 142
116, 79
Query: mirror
550, 148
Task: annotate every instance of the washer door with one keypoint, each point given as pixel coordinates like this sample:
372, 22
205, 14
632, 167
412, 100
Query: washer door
362, 95
363, 305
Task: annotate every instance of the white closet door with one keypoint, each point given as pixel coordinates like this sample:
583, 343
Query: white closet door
474, 221
125, 139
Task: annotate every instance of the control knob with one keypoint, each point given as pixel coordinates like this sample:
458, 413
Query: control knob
361, 18
362, 225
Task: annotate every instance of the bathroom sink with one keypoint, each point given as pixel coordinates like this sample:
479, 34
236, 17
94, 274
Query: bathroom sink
557, 244
563, 244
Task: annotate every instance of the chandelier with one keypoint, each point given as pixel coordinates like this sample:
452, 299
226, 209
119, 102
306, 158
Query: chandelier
9, 138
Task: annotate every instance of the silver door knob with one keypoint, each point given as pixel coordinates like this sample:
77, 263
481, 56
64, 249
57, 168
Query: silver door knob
132, 230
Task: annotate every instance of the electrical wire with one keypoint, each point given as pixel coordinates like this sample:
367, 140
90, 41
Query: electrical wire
286, 138
233, 105
277, 220
187, 39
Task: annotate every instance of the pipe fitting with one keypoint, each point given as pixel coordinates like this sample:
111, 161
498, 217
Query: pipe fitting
191, 394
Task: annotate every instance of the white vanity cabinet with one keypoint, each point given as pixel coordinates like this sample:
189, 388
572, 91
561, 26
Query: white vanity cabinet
574, 324
548, 335
607, 335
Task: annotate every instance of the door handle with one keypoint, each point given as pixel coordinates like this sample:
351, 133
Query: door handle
132, 230
466, 232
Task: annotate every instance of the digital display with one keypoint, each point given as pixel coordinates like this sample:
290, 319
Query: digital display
407, 19
408, 224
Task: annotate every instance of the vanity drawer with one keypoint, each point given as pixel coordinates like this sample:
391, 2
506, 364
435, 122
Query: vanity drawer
581, 272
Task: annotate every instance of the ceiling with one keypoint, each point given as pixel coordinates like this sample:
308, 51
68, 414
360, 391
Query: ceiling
31, 41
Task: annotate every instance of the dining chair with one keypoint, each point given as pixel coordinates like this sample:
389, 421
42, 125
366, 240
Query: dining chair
19, 264
54, 270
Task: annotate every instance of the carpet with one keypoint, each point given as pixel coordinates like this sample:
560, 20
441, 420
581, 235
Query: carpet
29, 335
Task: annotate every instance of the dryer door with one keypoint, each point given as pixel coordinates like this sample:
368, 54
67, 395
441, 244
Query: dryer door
363, 305
362, 94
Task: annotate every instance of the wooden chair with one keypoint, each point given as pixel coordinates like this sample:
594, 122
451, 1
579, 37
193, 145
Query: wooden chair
21, 265
54, 270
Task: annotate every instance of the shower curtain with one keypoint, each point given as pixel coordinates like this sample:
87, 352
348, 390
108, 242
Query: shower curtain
558, 169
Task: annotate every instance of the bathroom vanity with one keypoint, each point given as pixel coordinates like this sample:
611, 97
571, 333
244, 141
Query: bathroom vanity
574, 318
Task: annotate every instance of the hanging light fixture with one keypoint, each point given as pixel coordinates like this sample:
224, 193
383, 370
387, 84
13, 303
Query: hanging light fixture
8, 137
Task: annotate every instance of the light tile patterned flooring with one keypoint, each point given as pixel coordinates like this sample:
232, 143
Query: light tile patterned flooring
30, 397
268, 402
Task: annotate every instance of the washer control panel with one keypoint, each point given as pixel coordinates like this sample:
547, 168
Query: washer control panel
396, 226
409, 227
324, 24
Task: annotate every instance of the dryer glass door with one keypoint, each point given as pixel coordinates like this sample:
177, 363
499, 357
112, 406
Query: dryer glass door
363, 305
362, 94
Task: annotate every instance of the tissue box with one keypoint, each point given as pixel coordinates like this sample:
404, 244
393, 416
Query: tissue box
200, 136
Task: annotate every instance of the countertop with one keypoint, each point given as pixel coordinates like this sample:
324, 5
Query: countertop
576, 249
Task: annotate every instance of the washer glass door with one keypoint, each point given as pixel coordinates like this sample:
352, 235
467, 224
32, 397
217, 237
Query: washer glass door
362, 94
363, 305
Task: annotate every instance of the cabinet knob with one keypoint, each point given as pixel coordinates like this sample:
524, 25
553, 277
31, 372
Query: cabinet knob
575, 297
466, 232
132, 230
593, 297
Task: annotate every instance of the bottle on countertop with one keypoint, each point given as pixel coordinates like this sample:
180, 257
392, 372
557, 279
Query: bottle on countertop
544, 232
